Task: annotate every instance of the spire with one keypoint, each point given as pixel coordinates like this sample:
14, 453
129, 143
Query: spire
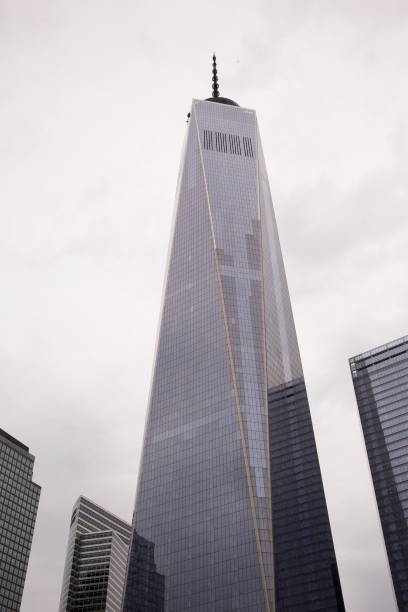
215, 88
215, 92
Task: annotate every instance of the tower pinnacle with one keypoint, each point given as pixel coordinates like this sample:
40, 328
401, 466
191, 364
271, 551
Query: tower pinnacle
215, 87
215, 92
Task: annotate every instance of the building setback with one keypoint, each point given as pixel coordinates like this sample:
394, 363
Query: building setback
380, 379
95, 561
19, 497
230, 491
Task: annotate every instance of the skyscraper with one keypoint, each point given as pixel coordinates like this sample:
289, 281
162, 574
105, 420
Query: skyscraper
380, 379
19, 497
145, 586
95, 563
230, 490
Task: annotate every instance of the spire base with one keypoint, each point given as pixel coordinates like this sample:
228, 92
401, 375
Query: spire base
222, 100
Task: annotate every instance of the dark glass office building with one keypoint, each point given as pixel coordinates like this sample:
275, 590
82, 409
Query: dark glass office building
144, 584
95, 563
19, 497
380, 379
230, 491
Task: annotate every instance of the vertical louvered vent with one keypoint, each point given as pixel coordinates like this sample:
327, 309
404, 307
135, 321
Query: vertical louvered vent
208, 140
221, 142
234, 144
248, 150
228, 143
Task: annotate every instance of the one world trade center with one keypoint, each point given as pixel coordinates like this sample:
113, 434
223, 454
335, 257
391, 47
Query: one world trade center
230, 493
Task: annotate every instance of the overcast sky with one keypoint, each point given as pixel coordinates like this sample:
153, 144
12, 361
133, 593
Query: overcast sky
93, 103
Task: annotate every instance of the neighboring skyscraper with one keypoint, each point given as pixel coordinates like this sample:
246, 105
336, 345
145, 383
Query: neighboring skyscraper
380, 379
144, 584
230, 490
95, 562
19, 497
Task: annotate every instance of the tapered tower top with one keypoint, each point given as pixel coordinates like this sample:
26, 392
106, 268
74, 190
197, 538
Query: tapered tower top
215, 87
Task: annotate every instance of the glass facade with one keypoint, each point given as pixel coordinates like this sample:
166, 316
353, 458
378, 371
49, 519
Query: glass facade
205, 497
380, 379
95, 564
305, 563
144, 584
19, 498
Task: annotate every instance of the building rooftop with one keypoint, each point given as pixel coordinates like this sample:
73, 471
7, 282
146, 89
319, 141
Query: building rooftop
380, 349
10, 438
